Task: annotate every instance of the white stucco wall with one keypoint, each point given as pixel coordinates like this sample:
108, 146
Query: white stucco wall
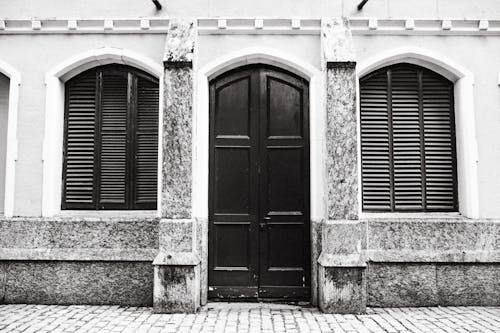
35, 54
245, 8
4, 108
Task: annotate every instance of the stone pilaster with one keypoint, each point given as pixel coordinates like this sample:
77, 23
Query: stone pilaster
341, 131
177, 266
341, 266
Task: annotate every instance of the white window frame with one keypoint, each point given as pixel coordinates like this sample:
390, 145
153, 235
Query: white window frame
466, 141
11, 152
54, 116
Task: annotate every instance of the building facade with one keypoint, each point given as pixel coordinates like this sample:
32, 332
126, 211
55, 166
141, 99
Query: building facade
312, 150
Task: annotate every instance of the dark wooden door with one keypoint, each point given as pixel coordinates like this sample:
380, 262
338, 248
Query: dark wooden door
259, 237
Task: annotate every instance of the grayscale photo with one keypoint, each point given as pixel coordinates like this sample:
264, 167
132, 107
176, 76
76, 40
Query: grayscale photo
250, 166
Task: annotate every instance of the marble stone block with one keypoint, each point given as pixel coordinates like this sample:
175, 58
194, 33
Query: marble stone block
400, 285
179, 45
336, 40
342, 289
176, 283
177, 235
341, 141
177, 142
76, 282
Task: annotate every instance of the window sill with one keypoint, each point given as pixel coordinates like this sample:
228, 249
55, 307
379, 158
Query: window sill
418, 215
108, 214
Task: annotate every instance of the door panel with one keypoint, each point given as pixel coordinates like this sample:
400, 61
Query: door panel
232, 180
259, 242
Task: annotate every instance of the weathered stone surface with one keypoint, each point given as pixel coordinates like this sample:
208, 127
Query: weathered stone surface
176, 289
38, 233
202, 241
336, 40
341, 141
433, 240
468, 284
177, 235
342, 290
177, 143
62, 282
179, 46
234, 317
396, 285
434, 234
343, 237
316, 243
422, 284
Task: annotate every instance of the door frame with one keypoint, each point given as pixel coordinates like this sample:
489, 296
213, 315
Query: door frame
317, 143
258, 141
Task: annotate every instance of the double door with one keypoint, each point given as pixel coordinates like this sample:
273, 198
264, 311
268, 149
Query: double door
259, 224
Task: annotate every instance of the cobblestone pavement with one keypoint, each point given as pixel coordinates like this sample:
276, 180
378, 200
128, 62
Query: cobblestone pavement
245, 317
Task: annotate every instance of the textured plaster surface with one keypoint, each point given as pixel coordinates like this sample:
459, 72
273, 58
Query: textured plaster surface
336, 39
179, 45
417, 284
341, 143
50, 282
343, 290
177, 289
177, 142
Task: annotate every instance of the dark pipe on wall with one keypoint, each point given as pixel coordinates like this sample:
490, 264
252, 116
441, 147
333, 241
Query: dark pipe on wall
362, 4
157, 4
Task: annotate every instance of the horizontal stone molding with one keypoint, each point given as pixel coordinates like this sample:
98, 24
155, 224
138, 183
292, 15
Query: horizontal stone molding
431, 256
342, 260
79, 233
72, 254
250, 25
177, 259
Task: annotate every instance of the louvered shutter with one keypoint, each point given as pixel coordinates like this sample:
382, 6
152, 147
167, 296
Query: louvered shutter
111, 140
79, 152
407, 141
375, 143
113, 145
146, 155
439, 133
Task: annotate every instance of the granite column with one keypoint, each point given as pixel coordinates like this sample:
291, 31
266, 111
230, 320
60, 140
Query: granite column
177, 266
341, 267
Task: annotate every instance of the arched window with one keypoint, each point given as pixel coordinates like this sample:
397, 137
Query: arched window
111, 140
408, 153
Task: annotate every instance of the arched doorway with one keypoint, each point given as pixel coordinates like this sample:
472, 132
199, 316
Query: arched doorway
259, 202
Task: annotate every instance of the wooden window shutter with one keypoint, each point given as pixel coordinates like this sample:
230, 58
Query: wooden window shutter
79, 145
146, 143
111, 140
407, 140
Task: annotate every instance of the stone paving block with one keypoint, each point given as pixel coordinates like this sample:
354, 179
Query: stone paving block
246, 318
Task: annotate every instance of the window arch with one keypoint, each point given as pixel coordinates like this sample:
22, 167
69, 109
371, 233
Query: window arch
111, 139
408, 154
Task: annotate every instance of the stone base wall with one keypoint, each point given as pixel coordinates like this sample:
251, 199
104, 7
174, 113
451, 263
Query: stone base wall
78, 260
432, 284
76, 282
